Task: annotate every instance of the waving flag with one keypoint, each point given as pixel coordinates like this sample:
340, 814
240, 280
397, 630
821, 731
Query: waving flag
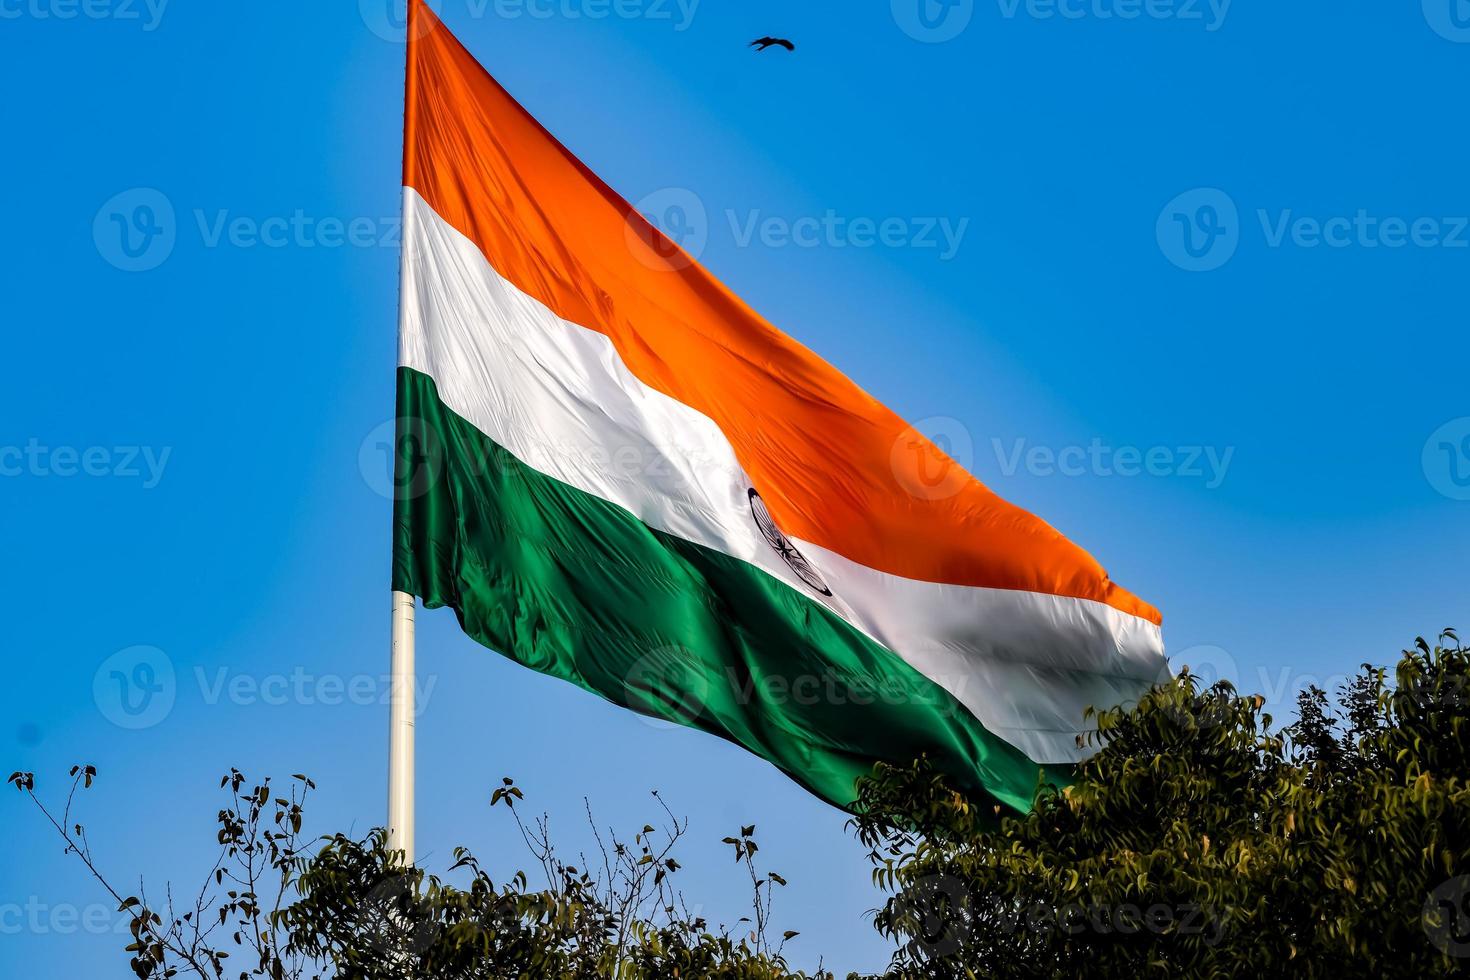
615, 472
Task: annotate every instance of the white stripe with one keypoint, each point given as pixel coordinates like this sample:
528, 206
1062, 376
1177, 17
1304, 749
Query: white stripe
559, 398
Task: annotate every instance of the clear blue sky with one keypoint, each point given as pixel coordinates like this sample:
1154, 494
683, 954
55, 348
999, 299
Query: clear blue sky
189, 454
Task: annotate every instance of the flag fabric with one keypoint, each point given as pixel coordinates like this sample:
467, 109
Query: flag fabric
615, 472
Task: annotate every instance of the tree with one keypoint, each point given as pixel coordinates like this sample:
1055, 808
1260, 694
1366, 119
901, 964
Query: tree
277, 906
1198, 841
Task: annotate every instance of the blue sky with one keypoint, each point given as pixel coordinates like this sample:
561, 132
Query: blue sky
1186, 280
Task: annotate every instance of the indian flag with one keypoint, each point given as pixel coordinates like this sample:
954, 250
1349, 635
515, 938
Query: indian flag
616, 472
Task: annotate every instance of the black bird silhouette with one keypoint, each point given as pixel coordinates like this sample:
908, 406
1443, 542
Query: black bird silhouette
761, 43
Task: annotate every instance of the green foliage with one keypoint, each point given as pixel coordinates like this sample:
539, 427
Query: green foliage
274, 906
1200, 842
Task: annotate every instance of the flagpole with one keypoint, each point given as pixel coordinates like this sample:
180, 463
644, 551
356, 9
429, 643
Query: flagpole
402, 690
400, 739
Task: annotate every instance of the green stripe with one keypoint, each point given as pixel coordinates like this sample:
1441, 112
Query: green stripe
577, 587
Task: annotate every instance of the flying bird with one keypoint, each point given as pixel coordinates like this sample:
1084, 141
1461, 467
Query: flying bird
761, 43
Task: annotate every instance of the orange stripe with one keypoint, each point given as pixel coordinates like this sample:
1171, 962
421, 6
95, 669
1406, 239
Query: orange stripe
834, 466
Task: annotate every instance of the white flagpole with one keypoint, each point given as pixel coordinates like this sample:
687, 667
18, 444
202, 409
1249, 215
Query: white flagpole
402, 711
400, 740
